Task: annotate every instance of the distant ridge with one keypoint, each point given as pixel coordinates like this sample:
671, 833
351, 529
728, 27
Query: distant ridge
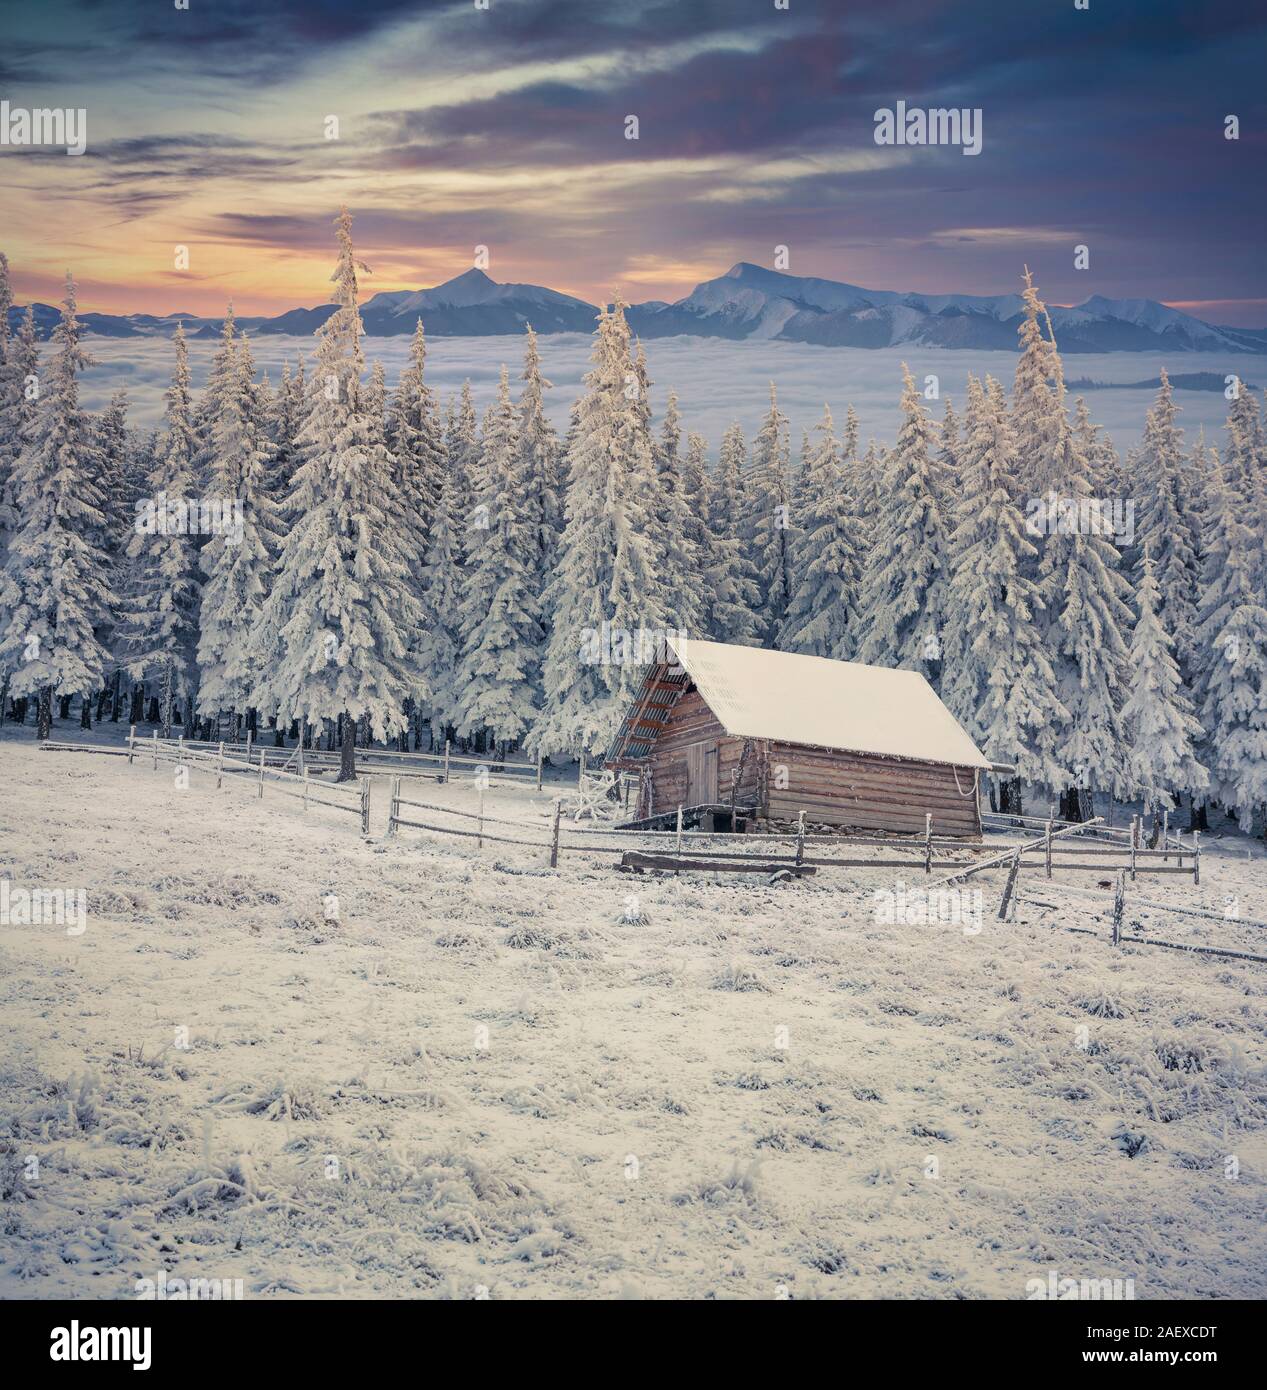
748, 302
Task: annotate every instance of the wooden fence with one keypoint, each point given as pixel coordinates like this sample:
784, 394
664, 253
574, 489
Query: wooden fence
177, 753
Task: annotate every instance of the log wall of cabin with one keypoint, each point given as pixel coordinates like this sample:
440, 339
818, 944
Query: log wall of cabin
693, 722
862, 792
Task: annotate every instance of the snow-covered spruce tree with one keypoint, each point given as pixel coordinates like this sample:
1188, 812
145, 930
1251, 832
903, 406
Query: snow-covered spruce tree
604, 582
10, 411
207, 414
238, 558
283, 424
673, 533
1231, 649
1157, 719
871, 468
415, 436
55, 588
1037, 405
997, 680
17, 409
726, 587
114, 462
822, 617
538, 467
157, 634
768, 524
443, 583
1167, 526
500, 613
1243, 456
462, 447
1088, 611
737, 622
903, 601
339, 626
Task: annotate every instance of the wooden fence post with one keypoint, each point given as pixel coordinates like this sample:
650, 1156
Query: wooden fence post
1047, 847
800, 838
1119, 906
928, 842
580, 775
540, 759
394, 806
305, 789
446, 762
479, 825
1009, 888
554, 842
155, 750
679, 828
1165, 836
248, 745
220, 766
131, 742
260, 793
365, 805
1196, 857
1134, 843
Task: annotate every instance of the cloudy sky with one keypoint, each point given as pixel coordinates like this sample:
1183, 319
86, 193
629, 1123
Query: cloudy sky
460, 126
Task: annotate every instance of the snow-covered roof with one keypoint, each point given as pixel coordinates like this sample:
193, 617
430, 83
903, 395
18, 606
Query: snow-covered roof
842, 705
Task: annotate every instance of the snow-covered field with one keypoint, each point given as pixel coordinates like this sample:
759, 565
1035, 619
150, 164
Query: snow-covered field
479, 1081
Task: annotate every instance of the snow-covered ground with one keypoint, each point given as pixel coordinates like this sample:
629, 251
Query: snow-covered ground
480, 1081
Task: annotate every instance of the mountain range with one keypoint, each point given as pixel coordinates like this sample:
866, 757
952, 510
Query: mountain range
747, 302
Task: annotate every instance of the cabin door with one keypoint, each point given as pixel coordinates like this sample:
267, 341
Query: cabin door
701, 774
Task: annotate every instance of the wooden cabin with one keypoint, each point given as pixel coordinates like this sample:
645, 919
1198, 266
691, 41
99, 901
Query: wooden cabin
745, 738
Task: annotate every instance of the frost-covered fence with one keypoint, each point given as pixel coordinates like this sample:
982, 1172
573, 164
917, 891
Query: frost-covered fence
442, 766
300, 786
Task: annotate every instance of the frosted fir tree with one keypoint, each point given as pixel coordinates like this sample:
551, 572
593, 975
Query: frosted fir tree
19, 395
1088, 602
416, 438
444, 582
158, 628
1244, 453
500, 613
1037, 405
462, 448
674, 533
871, 468
997, 680
822, 617
1167, 527
1231, 675
10, 408
737, 622
341, 620
220, 378
727, 590
768, 523
283, 424
604, 592
536, 469
904, 588
115, 477
1157, 719
238, 557
55, 589
947, 472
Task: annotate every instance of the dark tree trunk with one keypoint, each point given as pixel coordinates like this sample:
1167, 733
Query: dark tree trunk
1073, 804
116, 700
85, 711
1196, 816
44, 713
137, 711
278, 740
1010, 797
347, 740
63, 707
155, 714
103, 700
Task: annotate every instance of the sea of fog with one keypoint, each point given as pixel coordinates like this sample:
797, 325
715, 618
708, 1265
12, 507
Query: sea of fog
717, 381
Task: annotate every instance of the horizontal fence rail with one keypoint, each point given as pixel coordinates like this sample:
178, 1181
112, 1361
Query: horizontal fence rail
333, 796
